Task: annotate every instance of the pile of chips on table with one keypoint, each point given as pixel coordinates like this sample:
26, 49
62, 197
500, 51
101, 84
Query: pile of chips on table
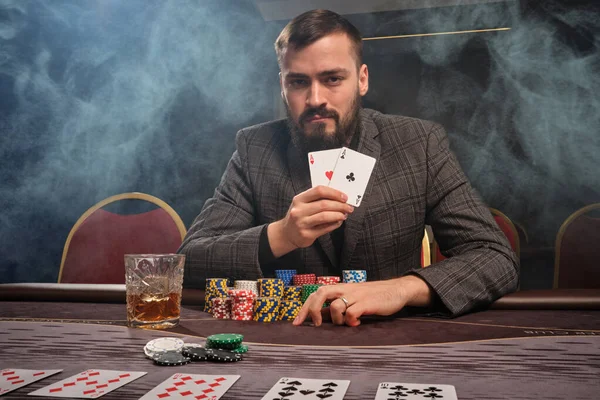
222, 347
215, 288
269, 299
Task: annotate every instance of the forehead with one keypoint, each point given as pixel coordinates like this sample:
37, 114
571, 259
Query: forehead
328, 53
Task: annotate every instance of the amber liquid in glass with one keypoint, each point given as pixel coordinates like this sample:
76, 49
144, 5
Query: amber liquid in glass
146, 309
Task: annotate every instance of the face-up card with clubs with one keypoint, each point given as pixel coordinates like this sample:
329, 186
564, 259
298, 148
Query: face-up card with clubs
192, 386
321, 165
307, 389
89, 384
12, 379
415, 391
351, 175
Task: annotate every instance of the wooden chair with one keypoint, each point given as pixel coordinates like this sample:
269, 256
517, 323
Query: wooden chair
523, 236
95, 247
505, 225
577, 250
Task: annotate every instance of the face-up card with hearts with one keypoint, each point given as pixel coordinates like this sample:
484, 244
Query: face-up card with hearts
12, 379
307, 389
192, 386
351, 175
321, 164
89, 384
415, 391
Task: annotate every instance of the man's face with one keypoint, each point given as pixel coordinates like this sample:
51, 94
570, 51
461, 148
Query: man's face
321, 87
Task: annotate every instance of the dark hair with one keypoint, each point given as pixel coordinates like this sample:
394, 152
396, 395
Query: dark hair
313, 25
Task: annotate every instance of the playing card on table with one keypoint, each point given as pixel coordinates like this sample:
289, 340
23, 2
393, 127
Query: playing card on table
89, 384
307, 389
413, 391
12, 379
192, 386
321, 164
351, 175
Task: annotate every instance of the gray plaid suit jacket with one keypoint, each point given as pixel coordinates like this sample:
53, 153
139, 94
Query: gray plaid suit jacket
416, 181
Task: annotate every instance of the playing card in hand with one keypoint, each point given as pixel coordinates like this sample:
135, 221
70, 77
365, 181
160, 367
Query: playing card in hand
307, 389
89, 384
351, 175
321, 164
12, 379
414, 391
192, 386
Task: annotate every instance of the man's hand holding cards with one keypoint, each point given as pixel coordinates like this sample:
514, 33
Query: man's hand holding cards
343, 169
339, 179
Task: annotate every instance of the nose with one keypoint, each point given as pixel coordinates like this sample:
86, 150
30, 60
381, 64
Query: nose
314, 97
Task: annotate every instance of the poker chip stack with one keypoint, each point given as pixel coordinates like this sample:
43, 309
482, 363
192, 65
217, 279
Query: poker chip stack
304, 279
355, 276
270, 288
228, 342
293, 293
286, 275
221, 307
223, 347
247, 285
289, 309
215, 287
242, 304
157, 347
307, 290
266, 309
328, 280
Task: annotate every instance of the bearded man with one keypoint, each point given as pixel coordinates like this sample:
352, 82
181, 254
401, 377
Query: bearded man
265, 216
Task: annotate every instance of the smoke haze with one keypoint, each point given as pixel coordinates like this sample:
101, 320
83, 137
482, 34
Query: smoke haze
104, 97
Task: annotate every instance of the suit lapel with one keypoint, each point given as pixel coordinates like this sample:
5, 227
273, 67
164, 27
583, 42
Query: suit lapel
370, 147
298, 167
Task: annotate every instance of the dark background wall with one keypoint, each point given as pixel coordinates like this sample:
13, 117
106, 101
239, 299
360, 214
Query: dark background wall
103, 97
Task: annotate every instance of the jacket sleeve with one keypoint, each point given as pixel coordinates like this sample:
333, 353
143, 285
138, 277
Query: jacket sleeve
223, 241
481, 266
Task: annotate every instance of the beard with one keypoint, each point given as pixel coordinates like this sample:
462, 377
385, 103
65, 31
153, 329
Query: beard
319, 139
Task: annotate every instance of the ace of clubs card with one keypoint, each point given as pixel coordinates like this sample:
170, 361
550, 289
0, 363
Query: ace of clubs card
351, 175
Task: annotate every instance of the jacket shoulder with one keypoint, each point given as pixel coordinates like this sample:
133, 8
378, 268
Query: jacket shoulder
271, 132
400, 125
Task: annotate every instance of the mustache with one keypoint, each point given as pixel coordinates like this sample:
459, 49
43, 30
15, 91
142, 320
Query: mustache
321, 111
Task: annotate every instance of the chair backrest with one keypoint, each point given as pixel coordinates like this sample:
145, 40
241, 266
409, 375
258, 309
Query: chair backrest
425, 251
523, 236
577, 251
505, 225
95, 247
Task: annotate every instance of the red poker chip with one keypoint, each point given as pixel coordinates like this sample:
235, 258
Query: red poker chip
240, 293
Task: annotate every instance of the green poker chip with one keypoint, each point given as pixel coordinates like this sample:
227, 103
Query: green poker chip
241, 350
224, 341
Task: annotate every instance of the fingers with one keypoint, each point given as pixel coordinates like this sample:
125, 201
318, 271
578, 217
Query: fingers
313, 306
323, 218
337, 308
353, 314
322, 192
369, 298
322, 206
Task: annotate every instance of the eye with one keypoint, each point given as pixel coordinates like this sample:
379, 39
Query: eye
298, 83
334, 80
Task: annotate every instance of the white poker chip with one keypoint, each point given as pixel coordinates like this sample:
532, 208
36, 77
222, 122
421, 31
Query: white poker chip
162, 345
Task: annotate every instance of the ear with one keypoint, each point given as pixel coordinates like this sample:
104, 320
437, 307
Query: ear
363, 80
